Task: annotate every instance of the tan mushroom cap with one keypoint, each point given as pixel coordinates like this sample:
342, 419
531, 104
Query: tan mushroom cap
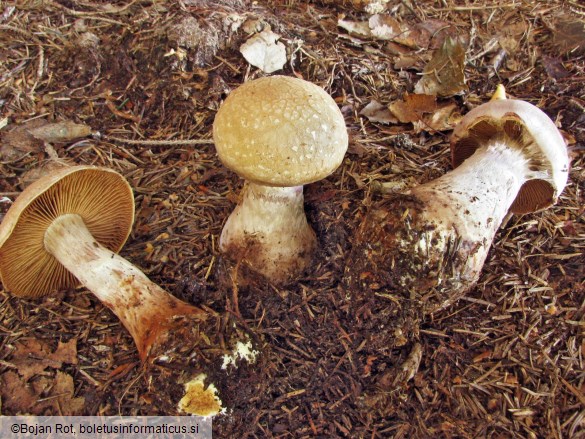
280, 131
524, 126
103, 199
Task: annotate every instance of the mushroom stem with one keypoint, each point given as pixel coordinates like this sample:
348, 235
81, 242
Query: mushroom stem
269, 230
146, 310
431, 242
473, 199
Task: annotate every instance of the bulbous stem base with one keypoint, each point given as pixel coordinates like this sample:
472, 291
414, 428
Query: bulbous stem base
429, 244
268, 230
147, 311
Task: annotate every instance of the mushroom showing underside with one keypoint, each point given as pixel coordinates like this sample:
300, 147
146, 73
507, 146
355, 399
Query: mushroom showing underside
65, 230
279, 133
430, 243
419, 251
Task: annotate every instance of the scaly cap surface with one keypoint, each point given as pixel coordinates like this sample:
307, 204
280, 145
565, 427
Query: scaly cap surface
280, 131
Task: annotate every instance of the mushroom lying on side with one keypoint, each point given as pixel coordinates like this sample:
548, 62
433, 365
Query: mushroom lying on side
279, 133
64, 230
431, 242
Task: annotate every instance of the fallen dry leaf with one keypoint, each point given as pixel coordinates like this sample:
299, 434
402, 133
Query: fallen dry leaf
444, 73
569, 35
18, 141
378, 26
509, 43
17, 396
511, 31
44, 395
554, 68
377, 112
43, 168
404, 62
41, 384
412, 107
370, 6
444, 118
32, 356
30, 137
361, 28
66, 352
263, 50
432, 33
64, 131
60, 398
384, 27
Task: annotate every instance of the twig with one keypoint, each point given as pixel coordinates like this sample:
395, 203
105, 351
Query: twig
40, 68
160, 142
17, 30
123, 114
476, 8
14, 71
234, 275
89, 15
574, 391
111, 9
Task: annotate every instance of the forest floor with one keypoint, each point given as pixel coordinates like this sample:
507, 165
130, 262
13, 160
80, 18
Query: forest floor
505, 361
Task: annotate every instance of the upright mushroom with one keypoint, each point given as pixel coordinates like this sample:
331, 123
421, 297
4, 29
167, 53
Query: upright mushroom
278, 133
64, 230
430, 243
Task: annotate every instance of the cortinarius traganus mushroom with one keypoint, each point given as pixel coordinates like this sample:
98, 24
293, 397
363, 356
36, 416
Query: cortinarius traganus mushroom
430, 243
65, 230
278, 133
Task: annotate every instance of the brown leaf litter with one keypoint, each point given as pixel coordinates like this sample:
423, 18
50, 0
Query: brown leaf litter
27, 388
506, 360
